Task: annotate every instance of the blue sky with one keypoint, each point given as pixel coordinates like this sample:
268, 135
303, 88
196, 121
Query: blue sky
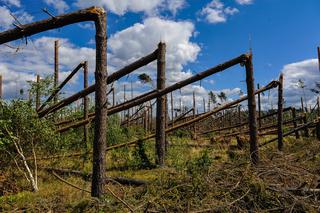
282, 33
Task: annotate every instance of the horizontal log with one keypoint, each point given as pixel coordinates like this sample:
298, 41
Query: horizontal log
244, 123
22, 31
157, 93
288, 133
264, 127
87, 176
111, 78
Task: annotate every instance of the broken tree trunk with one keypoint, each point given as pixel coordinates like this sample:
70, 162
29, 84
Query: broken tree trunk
319, 57
259, 106
161, 106
254, 155
38, 93
302, 106
0, 87
295, 124
172, 110
56, 68
280, 113
85, 104
306, 130
101, 100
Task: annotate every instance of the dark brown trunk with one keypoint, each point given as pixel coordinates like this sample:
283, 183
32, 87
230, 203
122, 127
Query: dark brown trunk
280, 113
56, 68
306, 129
161, 106
302, 106
295, 124
85, 104
194, 115
100, 127
172, 109
259, 106
0, 86
38, 93
254, 154
319, 57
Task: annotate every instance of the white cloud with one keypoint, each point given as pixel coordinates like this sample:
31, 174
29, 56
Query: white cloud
215, 12
175, 5
244, 2
6, 19
307, 71
38, 58
60, 5
15, 3
142, 38
120, 7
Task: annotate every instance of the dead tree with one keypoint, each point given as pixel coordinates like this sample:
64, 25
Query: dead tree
85, 103
194, 114
161, 106
295, 125
56, 68
1, 87
252, 111
302, 106
319, 57
38, 93
172, 107
280, 113
259, 106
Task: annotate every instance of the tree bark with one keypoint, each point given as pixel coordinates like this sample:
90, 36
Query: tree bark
161, 106
0, 87
259, 106
254, 154
56, 68
101, 100
38, 93
280, 113
295, 125
85, 104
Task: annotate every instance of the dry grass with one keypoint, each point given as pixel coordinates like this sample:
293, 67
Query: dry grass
282, 182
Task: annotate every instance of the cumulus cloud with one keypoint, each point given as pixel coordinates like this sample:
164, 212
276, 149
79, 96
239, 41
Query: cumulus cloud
120, 7
6, 19
215, 12
142, 38
60, 5
308, 72
38, 58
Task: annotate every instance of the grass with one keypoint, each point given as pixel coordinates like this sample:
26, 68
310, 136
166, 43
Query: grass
196, 179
